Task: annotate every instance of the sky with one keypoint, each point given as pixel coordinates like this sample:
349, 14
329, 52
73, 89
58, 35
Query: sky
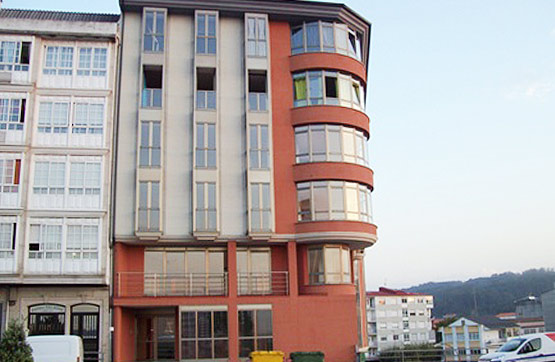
461, 96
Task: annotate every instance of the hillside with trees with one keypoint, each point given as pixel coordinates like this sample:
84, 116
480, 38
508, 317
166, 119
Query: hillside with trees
486, 296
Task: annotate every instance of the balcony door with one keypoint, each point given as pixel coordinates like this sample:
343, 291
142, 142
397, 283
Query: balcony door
254, 271
155, 337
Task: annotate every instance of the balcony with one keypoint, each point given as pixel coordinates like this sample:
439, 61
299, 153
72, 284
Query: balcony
258, 102
137, 284
271, 283
151, 98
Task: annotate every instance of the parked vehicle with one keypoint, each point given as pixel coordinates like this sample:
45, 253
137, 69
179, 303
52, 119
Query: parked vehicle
56, 348
537, 347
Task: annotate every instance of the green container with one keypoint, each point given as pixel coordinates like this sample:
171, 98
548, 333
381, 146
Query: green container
307, 356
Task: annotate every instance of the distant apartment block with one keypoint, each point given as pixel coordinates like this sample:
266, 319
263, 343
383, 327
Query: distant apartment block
396, 318
465, 340
57, 81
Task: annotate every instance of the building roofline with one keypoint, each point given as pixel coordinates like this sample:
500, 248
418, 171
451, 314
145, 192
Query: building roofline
386, 292
32, 14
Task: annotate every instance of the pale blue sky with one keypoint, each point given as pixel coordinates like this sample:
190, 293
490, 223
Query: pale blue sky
462, 102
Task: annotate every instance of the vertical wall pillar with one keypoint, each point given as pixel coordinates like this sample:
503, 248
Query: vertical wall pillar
232, 317
292, 267
117, 334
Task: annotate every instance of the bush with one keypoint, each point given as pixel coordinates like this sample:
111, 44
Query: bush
13, 346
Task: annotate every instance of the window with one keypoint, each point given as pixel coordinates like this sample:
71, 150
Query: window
406, 337
82, 242
322, 36
205, 148
206, 88
49, 178
475, 336
206, 33
149, 206
92, 62
7, 242
14, 56
149, 151
329, 265
10, 170
330, 143
190, 272
84, 178
153, 38
12, 113
205, 211
261, 210
333, 200
532, 346
88, 118
395, 337
258, 97
254, 274
405, 325
152, 87
255, 331
53, 117
58, 61
256, 36
327, 87
259, 150
45, 241
46, 319
204, 335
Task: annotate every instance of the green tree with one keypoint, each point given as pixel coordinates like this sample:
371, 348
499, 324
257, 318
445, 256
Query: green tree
13, 346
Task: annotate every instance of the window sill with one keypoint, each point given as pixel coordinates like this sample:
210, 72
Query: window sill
206, 235
148, 235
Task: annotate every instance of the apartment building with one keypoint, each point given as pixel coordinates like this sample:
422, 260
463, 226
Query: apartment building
465, 340
242, 201
57, 77
397, 318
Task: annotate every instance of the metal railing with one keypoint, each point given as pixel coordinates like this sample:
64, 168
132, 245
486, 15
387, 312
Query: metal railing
151, 98
137, 284
258, 101
411, 355
270, 283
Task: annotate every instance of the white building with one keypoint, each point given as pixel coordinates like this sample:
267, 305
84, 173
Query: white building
57, 81
396, 318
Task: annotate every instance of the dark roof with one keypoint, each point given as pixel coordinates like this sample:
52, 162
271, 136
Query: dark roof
57, 15
386, 292
493, 322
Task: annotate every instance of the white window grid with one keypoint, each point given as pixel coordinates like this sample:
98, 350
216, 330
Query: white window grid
148, 219
331, 143
78, 116
10, 170
150, 147
311, 88
50, 177
88, 118
12, 113
84, 178
334, 200
58, 60
205, 209
261, 208
64, 239
206, 29
82, 242
205, 148
153, 36
10, 56
325, 274
7, 239
259, 146
92, 62
256, 36
326, 37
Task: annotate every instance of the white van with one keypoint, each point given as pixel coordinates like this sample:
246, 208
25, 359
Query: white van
537, 347
60, 348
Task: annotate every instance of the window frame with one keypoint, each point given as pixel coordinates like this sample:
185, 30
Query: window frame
12, 113
207, 210
223, 336
8, 246
149, 207
15, 65
256, 337
262, 211
259, 42
14, 175
258, 151
206, 149
147, 144
154, 35
207, 36
323, 277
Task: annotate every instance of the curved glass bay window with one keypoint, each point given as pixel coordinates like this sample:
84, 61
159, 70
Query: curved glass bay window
330, 143
333, 200
320, 36
329, 264
319, 87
